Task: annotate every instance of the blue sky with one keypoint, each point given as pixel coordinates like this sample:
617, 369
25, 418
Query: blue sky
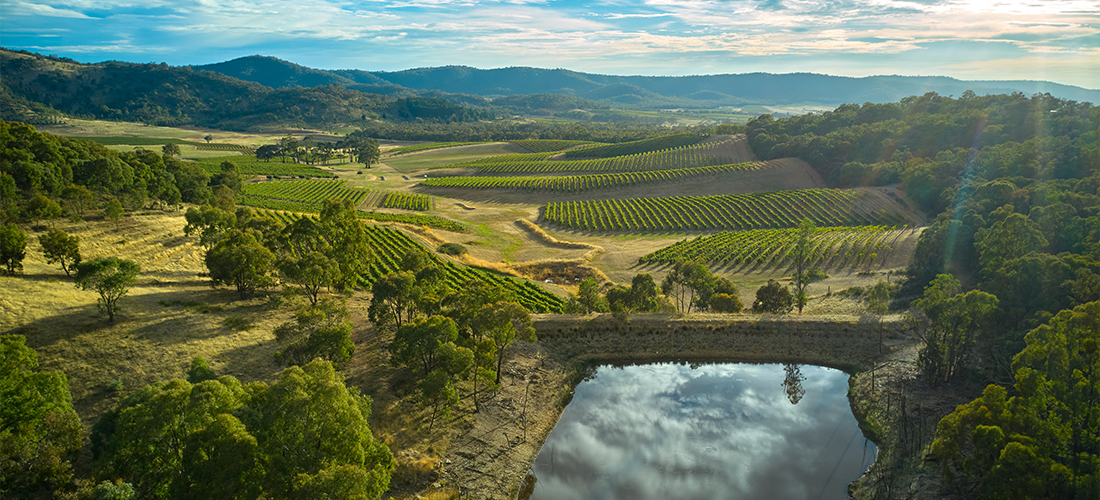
968, 39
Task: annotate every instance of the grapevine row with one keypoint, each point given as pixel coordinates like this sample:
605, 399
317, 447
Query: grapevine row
407, 201
635, 147
390, 245
413, 219
586, 182
305, 191
834, 247
424, 147
681, 157
547, 145
780, 209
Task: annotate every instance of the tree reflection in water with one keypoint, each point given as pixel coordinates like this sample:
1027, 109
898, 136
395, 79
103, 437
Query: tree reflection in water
792, 382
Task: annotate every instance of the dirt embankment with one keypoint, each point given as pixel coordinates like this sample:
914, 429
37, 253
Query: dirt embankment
492, 456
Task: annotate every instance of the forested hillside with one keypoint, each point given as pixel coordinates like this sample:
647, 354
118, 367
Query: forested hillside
35, 87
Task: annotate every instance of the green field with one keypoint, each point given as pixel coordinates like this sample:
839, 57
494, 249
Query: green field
250, 166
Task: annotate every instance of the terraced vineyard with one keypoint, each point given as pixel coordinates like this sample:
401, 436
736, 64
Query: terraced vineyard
830, 248
549, 145
407, 201
574, 183
636, 147
390, 245
697, 155
779, 209
312, 191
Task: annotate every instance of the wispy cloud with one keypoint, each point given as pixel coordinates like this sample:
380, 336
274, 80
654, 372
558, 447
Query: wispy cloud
651, 37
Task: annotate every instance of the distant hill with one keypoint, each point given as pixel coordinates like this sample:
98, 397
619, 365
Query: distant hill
642, 91
38, 89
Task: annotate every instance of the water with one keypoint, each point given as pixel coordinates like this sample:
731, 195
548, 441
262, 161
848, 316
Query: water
719, 431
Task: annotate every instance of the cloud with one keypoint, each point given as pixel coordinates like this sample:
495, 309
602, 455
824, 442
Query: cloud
34, 9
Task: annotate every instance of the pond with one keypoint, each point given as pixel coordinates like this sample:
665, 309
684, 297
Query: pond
714, 431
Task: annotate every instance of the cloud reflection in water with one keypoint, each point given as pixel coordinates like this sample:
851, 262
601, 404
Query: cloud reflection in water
717, 431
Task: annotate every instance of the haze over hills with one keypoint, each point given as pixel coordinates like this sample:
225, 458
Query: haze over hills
639, 91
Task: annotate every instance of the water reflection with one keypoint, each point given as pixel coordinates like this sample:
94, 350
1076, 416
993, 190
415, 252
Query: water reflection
713, 431
792, 383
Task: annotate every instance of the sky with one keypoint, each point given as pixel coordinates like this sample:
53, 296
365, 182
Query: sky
1052, 40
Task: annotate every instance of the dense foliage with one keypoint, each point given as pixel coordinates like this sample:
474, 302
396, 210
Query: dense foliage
1044, 441
39, 431
71, 173
304, 436
928, 142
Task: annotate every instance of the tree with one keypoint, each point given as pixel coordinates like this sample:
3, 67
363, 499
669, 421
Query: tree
110, 277
241, 261
950, 326
320, 331
41, 207
113, 210
77, 198
59, 247
643, 293
773, 298
267, 152
349, 241
39, 431
588, 294
312, 272
683, 282
13, 247
801, 256
417, 345
210, 223
503, 322
170, 149
208, 138
394, 300
367, 152
878, 298
230, 177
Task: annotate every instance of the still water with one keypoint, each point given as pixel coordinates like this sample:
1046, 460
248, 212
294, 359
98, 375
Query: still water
717, 431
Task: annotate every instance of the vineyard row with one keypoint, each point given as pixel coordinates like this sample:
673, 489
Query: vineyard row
830, 248
780, 209
587, 182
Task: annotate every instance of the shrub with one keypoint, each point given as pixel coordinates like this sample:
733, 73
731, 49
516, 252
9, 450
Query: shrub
452, 249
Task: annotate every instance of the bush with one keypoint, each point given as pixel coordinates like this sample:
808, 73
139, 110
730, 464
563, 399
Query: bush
238, 323
451, 249
773, 298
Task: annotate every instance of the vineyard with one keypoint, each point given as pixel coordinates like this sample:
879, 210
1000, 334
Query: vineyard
830, 248
425, 147
548, 145
684, 156
244, 150
636, 147
779, 209
390, 245
133, 141
251, 166
407, 201
312, 191
574, 183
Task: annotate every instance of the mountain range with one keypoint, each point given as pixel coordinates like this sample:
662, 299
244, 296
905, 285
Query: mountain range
637, 91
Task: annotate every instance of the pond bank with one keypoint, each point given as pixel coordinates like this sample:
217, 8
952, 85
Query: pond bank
490, 460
